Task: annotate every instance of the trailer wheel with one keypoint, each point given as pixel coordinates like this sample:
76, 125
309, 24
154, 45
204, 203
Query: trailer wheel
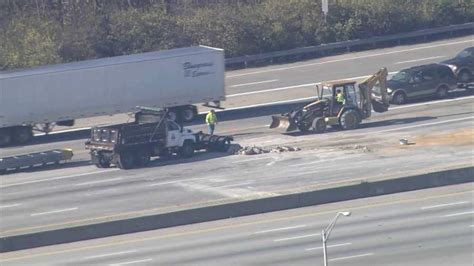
125, 160
172, 115
142, 157
349, 119
5, 137
188, 113
187, 150
319, 125
22, 134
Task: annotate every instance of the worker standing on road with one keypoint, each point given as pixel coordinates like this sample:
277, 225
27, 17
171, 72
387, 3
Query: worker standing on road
211, 121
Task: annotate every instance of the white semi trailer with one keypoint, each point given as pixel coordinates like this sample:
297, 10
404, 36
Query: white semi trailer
176, 79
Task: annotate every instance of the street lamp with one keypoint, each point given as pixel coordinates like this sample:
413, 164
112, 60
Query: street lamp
327, 231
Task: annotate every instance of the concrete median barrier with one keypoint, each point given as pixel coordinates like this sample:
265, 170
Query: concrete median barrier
349, 191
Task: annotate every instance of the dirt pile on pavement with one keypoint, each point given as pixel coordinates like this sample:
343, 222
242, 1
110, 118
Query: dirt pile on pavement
252, 150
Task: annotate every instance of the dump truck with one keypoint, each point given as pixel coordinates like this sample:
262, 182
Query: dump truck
152, 134
326, 110
177, 79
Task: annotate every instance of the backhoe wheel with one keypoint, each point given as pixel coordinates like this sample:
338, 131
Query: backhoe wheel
125, 160
187, 150
349, 120
319, 125
303, 127
142, 157
442, 92
399, 98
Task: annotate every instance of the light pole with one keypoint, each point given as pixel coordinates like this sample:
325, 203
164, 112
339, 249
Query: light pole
327, 231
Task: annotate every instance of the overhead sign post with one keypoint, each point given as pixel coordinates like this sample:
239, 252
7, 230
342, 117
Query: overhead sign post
325, 7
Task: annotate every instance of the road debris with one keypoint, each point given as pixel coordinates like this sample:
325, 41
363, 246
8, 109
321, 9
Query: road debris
252, 150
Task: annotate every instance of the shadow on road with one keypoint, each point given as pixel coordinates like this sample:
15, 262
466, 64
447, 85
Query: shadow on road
390, 122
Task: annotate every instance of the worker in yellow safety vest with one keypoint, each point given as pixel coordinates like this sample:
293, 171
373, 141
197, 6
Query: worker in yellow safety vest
211, 121
339, 99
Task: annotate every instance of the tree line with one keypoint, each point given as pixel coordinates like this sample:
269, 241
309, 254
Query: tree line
38, 32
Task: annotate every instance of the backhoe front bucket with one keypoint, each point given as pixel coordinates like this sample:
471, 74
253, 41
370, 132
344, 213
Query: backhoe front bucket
279, 121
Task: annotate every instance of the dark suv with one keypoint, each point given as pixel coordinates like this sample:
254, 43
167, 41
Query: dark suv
421, 81
462, 65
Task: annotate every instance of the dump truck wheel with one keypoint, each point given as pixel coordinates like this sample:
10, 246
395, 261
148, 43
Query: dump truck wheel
187, 150
125, 160
142, 157
442, 92
319, 125
349, 120
102, 162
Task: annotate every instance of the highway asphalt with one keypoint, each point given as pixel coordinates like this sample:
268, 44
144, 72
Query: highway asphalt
427, 227
78, 193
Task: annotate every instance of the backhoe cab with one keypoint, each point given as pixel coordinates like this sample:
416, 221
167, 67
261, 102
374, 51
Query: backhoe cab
358, 103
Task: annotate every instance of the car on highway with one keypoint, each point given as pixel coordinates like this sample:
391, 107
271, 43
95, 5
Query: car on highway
462, 65
421, 81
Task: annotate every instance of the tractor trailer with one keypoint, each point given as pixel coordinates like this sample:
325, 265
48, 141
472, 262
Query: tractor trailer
38, 98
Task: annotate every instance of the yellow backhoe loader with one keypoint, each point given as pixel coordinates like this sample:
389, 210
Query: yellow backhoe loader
357, 105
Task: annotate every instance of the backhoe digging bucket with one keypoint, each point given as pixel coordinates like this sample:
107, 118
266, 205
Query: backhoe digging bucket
285, 122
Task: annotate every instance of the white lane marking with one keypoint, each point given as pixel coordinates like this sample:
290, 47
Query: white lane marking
424, 125
129, 262
235, 185
56, 178
421, 59
431, 103
63, 131
250, 160
99, 181
329, 246
350, 257
177, 181
295, 237
444, 205
472, 225
253, 83
458, 214
295, 86
56, 211
111, 254
280, 229
347, 59
10, 206
271, 90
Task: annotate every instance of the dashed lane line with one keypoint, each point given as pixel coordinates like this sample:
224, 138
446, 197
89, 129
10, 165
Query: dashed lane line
280, 229
352, 257
295, 237
111, 254
54, 212
444, 205
329, 246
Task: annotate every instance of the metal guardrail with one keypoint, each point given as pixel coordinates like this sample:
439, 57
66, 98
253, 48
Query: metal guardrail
349, 44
